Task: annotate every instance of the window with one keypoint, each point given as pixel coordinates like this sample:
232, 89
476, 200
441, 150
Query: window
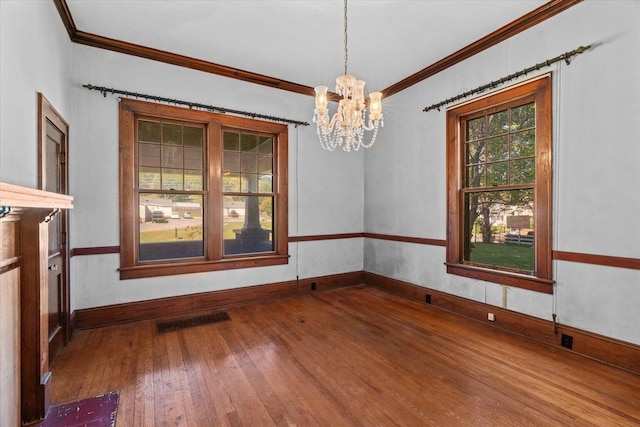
199, 191
499, 187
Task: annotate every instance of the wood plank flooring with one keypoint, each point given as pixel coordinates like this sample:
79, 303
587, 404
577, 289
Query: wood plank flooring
347, 357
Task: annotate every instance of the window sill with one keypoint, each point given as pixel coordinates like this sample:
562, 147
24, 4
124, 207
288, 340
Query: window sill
185, 267
504, 278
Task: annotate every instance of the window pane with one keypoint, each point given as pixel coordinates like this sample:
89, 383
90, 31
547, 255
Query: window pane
475, 129
149, 178
248, 143
265, 165
249, 183
149, 131
231, 141
523, 117
248, 224
171, 134
523, 144
249, 163
475, 176
172, 157
172, 179
265, 145
475, 152
497, 149
265, 185
523, 171
193, 180
498, 173
231, 182
170, 227
497, 123
231, 162
149, 155
499, 229
193, 158
193, 137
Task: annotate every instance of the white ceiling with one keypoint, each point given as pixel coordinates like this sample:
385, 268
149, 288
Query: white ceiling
301, 41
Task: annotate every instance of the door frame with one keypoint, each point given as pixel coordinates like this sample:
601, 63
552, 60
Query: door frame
46, 112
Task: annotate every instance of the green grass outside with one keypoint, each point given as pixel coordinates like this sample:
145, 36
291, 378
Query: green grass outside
503, 255
190, 233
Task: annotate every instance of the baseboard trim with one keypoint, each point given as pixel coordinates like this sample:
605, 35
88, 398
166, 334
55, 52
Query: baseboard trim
618, 353
614, 352
163, 307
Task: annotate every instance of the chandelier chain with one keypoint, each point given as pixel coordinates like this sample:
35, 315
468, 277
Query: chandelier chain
346, 49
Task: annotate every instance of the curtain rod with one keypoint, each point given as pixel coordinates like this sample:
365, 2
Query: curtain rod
112, 91
565, 56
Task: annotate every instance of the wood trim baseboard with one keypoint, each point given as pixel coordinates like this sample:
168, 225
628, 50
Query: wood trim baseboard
618, 353
178, 305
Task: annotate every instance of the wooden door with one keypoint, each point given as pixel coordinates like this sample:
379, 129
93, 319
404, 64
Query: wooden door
53, 178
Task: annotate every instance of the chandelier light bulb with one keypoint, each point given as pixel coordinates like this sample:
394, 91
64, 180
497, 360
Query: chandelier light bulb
321, 98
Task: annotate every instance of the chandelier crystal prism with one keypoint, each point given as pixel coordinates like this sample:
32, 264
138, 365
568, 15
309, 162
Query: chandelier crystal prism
346, 128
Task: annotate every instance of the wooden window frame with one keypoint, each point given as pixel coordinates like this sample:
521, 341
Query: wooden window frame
214, 260
538, 90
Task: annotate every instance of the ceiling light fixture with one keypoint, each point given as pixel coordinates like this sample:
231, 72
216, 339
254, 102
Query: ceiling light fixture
347, 126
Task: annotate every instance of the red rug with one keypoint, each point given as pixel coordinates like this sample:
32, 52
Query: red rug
97, 411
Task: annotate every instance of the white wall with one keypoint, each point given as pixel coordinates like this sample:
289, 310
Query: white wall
596, 151
398, 187
325, 189
35, 57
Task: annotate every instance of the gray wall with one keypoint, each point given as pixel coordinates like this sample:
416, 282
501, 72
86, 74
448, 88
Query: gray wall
35, 57
398, 187
596, 150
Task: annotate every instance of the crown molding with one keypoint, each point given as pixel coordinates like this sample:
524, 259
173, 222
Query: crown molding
521, 24
517, 26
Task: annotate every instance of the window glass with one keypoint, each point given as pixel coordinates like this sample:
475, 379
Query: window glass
248, 195
171, 226
509, 160
500, 229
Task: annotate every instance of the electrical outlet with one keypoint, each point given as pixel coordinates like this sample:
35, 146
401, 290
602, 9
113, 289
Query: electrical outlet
313, 286
427, 299
491, 317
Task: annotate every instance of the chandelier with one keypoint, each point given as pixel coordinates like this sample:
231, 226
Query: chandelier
347, 126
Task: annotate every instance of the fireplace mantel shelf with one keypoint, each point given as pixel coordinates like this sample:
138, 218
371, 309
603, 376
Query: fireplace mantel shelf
15, 196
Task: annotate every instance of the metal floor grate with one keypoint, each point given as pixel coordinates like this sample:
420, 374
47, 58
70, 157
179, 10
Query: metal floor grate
173, 325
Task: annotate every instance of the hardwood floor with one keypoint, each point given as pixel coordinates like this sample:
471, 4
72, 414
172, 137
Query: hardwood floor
351, 356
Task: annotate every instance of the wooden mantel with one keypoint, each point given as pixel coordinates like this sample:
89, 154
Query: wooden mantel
16, 196
24, 216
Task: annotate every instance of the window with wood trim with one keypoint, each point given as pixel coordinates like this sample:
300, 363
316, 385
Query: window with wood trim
199, 191
499, 187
